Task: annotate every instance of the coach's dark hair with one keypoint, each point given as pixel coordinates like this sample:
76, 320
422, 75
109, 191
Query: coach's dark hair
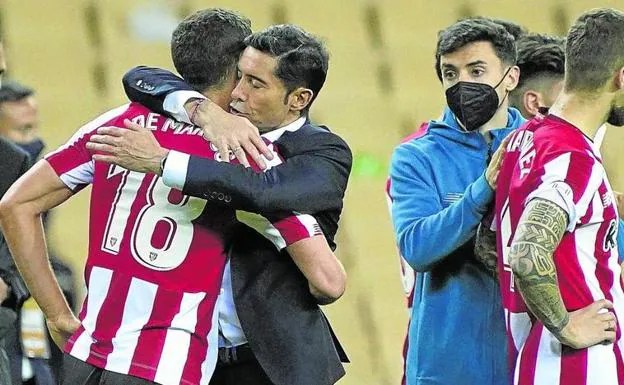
302, 59
473, 30
594, 49
206, 46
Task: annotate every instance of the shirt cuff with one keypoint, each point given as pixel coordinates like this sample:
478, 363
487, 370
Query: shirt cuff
176, 166
175, 101
481, 194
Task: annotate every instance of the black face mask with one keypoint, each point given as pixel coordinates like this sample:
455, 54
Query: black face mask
473, 104
33, 148
616, 116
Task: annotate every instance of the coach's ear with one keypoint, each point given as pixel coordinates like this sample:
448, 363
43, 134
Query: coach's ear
299, 98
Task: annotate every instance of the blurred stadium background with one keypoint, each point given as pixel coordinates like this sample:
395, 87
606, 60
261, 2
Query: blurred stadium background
381, 84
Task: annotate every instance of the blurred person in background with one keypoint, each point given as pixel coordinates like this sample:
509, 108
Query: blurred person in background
13, 292
265, 312
19, 123
441, 187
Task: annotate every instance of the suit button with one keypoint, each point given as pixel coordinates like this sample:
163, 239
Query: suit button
221, 196
214, 195
227, 199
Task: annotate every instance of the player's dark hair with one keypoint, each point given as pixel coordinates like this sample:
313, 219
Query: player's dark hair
302, 59
594, 49
205, 47
473, 30
540, 56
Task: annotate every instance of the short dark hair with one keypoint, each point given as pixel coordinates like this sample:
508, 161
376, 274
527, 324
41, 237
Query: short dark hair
302, 59
472, 30
206, 46
516, 30
12, 91
540, 55
594, 49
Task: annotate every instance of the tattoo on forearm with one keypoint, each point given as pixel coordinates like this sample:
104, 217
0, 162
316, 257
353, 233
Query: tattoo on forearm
485, 249
539, 232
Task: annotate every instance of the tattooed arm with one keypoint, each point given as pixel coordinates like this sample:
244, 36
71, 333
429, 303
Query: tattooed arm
539, 232
485, 249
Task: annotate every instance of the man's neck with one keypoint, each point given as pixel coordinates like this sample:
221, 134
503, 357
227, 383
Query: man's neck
586, 112
218, 96
499, 120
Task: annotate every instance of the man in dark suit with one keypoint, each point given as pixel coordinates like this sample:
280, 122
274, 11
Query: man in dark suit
281, 71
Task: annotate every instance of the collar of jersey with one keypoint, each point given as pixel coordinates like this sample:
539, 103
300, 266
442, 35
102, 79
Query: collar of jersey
274, 135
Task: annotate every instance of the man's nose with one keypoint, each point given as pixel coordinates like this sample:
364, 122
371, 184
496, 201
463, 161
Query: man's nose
238, 92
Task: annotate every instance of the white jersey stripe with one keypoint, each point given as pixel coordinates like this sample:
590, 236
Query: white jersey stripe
601, 365
136, 313
178, 340
548, 363
585, 242
595, 180
210, 363
262, 226
82, 346
520, 326
99, 282
516, 379
78, 176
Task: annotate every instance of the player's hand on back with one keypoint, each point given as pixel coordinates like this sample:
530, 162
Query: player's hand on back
134, 148
491, 173
589, 326
229, 133
61, 328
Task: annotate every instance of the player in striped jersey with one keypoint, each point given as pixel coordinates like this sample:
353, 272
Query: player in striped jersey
557, 222
156, 256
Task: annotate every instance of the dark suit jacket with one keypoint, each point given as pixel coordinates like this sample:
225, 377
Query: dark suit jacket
286, 330
15, 162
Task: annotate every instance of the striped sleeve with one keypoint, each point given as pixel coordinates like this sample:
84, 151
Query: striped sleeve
282, 231
570, 180
72, 162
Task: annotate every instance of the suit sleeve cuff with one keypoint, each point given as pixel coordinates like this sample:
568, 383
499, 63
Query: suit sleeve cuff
175, 101
176, 166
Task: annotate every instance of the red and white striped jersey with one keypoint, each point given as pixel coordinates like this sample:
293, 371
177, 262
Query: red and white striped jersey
155, 259
551, 159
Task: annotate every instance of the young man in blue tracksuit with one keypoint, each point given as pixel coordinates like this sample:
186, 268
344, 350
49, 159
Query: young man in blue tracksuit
441, 188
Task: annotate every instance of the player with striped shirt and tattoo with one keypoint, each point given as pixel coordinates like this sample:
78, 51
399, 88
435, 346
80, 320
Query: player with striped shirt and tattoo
557, 222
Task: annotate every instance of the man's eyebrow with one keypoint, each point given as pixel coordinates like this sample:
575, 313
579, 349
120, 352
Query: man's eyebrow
476, 62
